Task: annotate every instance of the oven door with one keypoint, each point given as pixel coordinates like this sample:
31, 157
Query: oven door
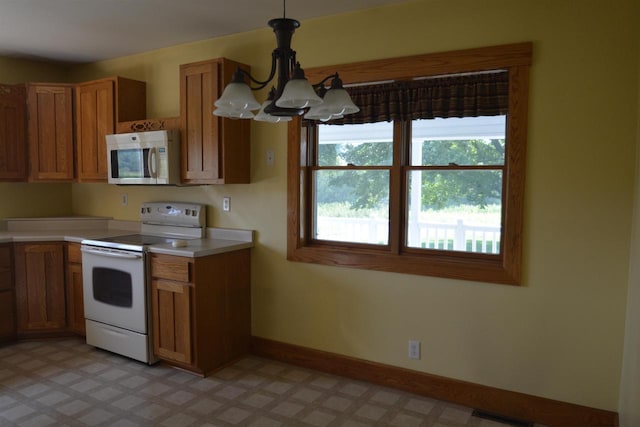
114, 287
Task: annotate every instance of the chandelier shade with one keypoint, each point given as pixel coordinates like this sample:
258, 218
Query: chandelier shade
338, 102
293, 95
264, 117
298, 92
318, 113
237, 95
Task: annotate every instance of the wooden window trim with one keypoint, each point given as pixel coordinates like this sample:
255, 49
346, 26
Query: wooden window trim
505, 268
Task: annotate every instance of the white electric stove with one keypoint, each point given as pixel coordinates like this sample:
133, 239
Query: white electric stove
116, 281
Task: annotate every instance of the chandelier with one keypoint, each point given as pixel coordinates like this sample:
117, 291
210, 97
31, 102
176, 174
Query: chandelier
293, 95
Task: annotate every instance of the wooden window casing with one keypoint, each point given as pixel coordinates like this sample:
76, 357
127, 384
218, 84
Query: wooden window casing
506, 267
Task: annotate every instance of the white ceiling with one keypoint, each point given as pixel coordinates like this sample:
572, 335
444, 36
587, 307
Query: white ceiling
92, 30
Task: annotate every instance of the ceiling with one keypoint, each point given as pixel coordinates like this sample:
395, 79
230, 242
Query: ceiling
91, 30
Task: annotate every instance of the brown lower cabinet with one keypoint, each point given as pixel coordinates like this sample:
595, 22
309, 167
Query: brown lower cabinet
44, 301
75, 293
7, 296
40, 288
201, 309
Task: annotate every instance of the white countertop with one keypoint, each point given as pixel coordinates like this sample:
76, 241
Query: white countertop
76, 229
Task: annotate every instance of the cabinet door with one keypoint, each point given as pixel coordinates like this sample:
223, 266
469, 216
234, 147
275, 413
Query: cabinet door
7, 315
39, 285
75, 302
215, 150
13, 133
75, 291
50, 132
95, 118
6, 276
171, 304
200, 128
7, 296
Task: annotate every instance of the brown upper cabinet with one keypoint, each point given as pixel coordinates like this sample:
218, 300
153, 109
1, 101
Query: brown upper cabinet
50, 131
215, 150
100, 104
13, 137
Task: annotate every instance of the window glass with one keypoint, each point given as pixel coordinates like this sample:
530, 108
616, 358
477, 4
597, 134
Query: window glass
352, 206
458, 141
367, 144
455, 210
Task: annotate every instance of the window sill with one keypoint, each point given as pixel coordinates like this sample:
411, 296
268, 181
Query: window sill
491, 269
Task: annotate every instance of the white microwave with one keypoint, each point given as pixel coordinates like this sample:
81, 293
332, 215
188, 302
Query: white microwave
151, 158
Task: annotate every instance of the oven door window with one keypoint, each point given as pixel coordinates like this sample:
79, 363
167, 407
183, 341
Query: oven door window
130, 163
112, 287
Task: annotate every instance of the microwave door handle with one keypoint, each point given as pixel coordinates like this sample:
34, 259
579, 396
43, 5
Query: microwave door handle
152, 161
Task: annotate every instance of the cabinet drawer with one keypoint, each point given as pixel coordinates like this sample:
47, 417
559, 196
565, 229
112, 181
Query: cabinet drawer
171, 268
73, 253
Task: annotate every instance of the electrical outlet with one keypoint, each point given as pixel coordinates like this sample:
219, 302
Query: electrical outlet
226, 204
271, 157
414, 349
124, 199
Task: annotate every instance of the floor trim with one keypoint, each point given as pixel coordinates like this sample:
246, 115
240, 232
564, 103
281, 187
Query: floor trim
503, 402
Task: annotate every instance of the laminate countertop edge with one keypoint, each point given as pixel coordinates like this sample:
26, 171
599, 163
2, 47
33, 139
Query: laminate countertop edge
195, 248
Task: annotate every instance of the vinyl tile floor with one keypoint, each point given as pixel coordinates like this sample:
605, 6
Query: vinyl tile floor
68, 383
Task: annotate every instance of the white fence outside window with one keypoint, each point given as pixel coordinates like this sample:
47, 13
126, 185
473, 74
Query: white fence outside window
456, 237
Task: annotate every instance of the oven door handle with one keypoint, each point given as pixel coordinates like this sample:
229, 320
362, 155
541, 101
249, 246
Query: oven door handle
111, 254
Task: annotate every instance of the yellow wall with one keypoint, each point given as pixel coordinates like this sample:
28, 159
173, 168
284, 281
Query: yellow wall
560, 335
13, 70
34, 200
630, 382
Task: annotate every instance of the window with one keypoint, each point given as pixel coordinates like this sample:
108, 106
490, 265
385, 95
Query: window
435, 188
350, 197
